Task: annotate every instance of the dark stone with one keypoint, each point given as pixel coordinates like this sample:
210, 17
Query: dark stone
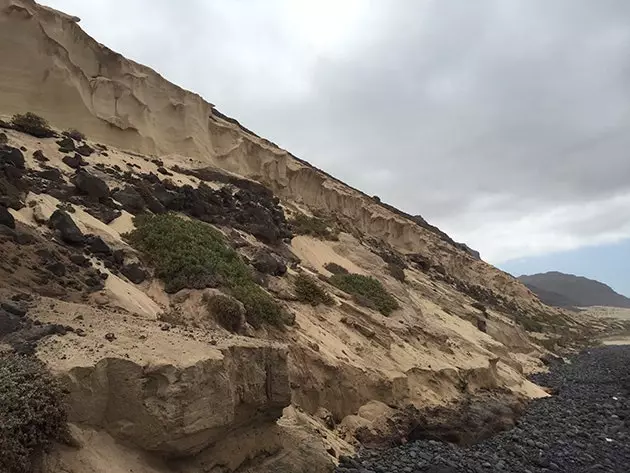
6, 218
163, 170
85, 150
12, 156
39, 156
66, 144
90, 185
103, 213
130, 199
50, 174
119, 257
97, 245
3, 138
79, 260
75, 162
267, 263
110, 337
57, 268
482, 324
68, 230
24, 238
134, 272
13, 309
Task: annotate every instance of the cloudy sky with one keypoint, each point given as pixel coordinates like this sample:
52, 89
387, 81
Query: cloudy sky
504, 122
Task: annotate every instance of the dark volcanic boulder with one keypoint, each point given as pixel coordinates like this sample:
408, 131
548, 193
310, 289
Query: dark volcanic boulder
97, 245
85, 150
134, 272
13, 156
75, 162
68, 230
90, 185
6, 218
130, 199
38, 155
267, 263
66, 144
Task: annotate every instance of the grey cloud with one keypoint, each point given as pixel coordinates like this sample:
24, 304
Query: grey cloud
469, 113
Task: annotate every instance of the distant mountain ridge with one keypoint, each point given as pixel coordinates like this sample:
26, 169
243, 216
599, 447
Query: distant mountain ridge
568, 290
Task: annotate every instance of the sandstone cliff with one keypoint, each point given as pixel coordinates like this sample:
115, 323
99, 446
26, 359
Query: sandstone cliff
153, 368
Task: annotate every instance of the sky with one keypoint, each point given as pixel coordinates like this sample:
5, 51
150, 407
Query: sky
503, 122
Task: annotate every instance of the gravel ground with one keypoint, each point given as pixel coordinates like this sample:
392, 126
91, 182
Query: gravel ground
584, 428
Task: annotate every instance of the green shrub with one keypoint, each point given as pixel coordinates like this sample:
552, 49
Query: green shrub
191, 254
32, 416
76, 135
226, 311
313, 226
260, 307
367, 290
335, 268
309, 292
33, 125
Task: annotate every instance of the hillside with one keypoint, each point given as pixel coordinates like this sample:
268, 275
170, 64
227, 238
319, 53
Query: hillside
209, 302
567, 290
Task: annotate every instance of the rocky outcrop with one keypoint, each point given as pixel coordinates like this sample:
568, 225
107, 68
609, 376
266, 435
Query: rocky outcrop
179, 410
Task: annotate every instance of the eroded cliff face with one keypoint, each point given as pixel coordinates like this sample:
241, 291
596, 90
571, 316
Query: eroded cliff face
155, 370
51, 67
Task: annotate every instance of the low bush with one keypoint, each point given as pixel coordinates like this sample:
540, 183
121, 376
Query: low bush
336, 268
308, 291
226, 311
313, 226
33, 125
367, 290
260, 307
32, 416
191, 254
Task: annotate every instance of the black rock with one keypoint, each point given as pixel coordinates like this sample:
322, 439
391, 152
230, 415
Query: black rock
130, 199
39, 156
97, 245
6, 218
57, 268
3, 138
50, 174
79, 260
134, 272
90, 185
12, 156
66, 144
75, 162
267, 263
13, 309
68, 230
85, 150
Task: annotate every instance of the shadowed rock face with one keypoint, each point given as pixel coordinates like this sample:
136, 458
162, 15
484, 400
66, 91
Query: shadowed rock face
180, 410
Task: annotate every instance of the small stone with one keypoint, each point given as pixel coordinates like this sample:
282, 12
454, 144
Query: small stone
110, 337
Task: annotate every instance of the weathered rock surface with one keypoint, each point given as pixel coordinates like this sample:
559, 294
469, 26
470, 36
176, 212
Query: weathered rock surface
180, 409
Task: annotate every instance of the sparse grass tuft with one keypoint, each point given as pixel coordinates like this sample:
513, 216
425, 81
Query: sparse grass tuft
367, 290
32, 415
191, 254
309, 292
314, 226
33, 125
